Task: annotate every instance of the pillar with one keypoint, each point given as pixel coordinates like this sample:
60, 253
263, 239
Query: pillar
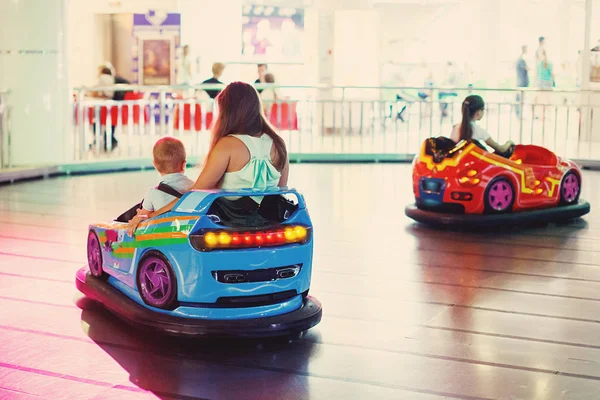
348, 55
213, 30
33, 60
585, 133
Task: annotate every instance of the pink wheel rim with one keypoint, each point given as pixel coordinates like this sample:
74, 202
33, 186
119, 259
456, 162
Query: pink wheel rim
94, 255
570, 188
155, 281
500, 195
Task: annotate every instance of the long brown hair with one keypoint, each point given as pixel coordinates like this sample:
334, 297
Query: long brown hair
241, 111
470, 106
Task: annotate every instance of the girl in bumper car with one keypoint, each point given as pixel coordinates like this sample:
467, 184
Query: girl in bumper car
473, 108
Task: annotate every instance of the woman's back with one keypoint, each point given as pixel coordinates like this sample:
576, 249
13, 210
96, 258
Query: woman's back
259, 171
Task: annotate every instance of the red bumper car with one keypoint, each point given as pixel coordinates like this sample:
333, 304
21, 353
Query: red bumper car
465, 184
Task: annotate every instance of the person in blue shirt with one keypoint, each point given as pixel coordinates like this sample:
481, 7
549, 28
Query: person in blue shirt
545, 73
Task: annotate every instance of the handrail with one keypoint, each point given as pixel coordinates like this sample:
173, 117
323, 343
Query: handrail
313, 125
158, 88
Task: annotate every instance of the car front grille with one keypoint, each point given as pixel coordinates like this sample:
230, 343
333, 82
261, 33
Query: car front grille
257, 275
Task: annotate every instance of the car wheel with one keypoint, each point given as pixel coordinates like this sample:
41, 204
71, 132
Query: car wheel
94, 254
499, 196
570, 188
156, 281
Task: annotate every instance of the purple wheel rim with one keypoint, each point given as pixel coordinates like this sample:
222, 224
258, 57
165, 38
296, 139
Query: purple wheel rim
500, 195
570, 188
94, 255
156, 284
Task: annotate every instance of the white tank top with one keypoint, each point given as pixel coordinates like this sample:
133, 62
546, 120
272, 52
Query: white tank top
259, 172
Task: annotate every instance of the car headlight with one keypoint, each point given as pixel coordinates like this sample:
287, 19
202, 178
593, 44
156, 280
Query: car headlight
469, 177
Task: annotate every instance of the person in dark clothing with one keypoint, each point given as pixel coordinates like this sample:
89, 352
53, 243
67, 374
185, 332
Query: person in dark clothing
522, 77
262, 71
522, 69
107, 78
120, 94
217, 70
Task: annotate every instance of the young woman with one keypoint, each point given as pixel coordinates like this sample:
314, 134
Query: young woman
545, 78
473, 108
245, 150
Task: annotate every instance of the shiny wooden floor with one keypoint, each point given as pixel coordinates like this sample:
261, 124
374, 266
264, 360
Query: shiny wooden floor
409, 312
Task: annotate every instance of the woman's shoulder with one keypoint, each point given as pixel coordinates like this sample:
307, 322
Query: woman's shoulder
241, 142
479, 132
230, 141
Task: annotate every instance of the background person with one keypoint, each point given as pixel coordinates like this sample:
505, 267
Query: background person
217, 70
269, 94
262, 70
186, 67
107, 77
522, 76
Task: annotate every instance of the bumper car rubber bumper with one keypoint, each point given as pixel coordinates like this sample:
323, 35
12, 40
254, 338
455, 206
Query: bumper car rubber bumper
560, 213
302, 319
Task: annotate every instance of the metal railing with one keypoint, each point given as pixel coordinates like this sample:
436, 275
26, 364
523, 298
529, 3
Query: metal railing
337, 123
5, 156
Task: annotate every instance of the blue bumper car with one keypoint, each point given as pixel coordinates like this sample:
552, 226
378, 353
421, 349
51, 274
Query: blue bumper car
218, 264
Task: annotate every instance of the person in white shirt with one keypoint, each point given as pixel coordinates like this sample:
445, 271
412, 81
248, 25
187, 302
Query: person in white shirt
269, 94
186, 67
169, 159
106, 77
473, 108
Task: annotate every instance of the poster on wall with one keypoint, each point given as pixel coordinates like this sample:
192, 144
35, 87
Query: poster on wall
156, 62
157, 39
272, 32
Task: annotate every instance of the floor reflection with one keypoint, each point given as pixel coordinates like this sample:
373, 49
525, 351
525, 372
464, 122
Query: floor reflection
172, 367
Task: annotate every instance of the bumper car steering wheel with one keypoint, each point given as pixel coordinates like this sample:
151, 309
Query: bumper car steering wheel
508, 153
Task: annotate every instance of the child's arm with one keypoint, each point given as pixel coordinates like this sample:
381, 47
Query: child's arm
211, 174
142, 213
147, 203
498, 147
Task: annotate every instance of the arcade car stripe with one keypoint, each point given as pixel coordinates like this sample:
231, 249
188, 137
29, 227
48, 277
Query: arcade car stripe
123, 250
524, 188
165, 235
167, 229
554, 183
168, 219
447, 162
117, 226
127, 249
153, 242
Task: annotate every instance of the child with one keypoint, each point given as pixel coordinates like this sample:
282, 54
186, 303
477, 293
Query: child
169, 160
472, 111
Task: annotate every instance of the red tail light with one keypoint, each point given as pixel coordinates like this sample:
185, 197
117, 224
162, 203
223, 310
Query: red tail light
218, 239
